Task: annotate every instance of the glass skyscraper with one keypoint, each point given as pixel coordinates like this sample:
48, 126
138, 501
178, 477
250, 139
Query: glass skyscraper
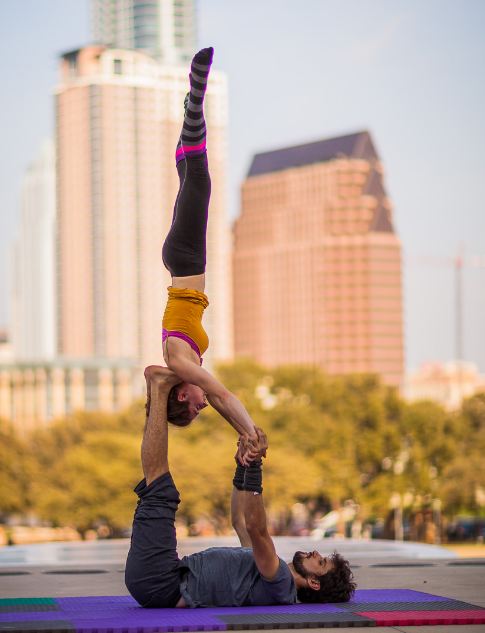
165, 29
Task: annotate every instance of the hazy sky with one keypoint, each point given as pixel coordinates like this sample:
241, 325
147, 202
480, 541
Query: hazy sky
411, 72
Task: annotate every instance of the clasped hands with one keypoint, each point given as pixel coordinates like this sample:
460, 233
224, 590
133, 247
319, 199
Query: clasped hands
251, 448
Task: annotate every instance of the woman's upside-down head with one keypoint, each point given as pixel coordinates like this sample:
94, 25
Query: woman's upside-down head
185, 401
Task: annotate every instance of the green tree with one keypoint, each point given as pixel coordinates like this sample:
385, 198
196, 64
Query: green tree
463, 487
331, 439
86, 468
16, 467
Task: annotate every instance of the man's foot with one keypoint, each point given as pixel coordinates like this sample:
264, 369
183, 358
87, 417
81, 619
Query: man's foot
194, 130
156, 375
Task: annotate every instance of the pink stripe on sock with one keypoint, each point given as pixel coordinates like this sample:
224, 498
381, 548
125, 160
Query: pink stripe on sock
179, 152
193, 148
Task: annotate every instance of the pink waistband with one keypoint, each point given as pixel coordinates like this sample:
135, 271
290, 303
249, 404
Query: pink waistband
184, 337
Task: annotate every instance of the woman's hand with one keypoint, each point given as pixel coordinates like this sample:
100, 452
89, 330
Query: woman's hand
249, 449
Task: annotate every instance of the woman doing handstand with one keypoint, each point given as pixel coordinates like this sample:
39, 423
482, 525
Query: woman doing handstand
184, 256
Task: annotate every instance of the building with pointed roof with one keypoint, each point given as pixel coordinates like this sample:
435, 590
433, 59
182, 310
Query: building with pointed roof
317, 262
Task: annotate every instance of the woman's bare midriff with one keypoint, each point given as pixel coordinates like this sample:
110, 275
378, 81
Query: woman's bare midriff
195, 282
178, 349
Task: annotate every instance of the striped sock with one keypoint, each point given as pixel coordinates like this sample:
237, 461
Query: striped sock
179, 152
194, 130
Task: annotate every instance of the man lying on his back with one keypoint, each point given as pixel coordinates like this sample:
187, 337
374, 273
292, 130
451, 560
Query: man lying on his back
249, 575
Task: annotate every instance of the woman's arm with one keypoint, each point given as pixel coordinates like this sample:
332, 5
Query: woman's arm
218, 396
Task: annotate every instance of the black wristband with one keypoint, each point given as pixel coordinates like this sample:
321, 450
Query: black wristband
238, 481
253, 480
249, 478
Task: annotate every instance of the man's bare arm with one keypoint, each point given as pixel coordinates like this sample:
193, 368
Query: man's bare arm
237, 517
247, 507
264, 551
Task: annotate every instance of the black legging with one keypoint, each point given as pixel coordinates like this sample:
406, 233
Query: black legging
184, 250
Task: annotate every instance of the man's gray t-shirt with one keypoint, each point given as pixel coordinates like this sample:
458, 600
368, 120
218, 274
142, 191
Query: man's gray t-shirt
228, 577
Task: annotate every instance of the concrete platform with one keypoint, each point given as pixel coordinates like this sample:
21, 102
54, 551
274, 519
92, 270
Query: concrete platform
115, 551
96, 569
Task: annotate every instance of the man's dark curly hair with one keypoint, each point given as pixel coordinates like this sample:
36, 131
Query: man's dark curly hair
335, 586
177, 412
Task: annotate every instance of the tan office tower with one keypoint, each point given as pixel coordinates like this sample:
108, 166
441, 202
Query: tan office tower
317, 264
119, 115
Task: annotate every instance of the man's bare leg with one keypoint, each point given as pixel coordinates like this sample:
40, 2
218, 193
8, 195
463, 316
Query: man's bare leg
154, 447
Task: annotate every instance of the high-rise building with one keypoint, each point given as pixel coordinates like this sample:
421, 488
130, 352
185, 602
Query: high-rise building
165, 29
119, 116
317, 263
33, 394
32, 313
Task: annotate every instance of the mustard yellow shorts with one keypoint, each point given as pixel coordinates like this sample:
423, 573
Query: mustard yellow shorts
183, 315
